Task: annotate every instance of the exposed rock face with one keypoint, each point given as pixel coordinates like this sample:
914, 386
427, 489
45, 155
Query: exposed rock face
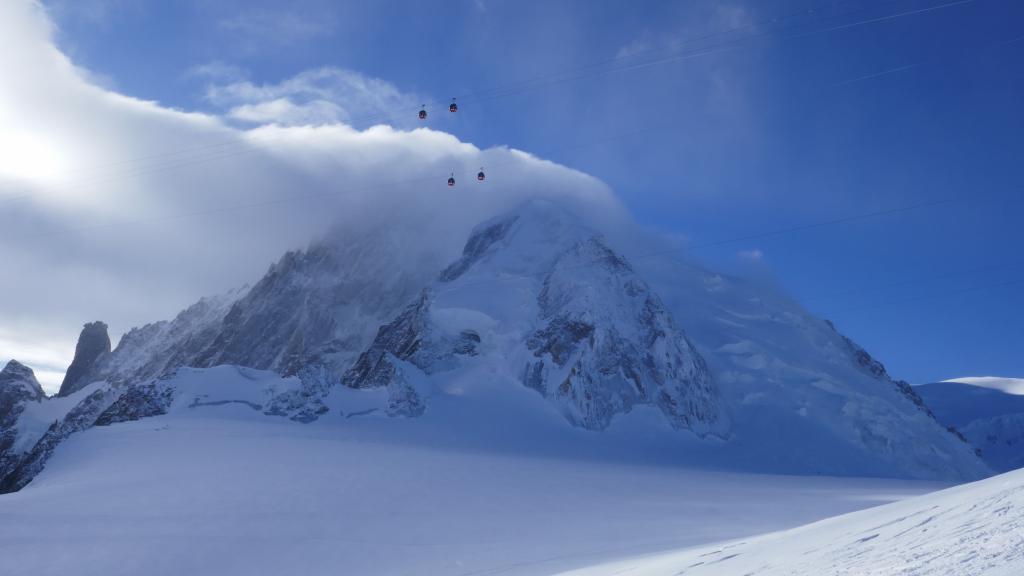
18, 385
481, 240
600, 343
157, 349
93, 347
869, 364
81, 417
409, 338
310, 316
137, 402
607, 344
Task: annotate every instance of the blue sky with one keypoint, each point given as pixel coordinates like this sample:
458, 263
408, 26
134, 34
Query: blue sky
792, 119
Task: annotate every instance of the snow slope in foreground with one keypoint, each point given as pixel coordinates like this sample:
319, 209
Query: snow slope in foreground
974, 529
216, 487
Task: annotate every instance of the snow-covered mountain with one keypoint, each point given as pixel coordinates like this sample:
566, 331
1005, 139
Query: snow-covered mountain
548, 303
724, 371
988, 411
18, 387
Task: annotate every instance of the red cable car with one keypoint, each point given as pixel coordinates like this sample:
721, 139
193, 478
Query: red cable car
453, 107
480, 175
451, 179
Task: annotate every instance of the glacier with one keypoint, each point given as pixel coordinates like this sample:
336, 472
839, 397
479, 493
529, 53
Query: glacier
472, 486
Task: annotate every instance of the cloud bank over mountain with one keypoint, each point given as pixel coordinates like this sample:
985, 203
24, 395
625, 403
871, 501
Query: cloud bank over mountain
126, 210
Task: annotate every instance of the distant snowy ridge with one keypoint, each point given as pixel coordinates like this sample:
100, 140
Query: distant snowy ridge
539, 299
988, 411
1013, 386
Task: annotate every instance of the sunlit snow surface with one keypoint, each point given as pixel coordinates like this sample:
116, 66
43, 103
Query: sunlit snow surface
975, 529
216, 487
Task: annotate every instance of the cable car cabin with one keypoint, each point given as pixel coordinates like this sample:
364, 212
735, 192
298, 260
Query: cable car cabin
451, 181
453, 107
480, 176
423, 114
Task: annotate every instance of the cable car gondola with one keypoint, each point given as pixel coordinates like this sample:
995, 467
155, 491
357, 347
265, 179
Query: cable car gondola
423, 113
451, 179
453, 107
480, 175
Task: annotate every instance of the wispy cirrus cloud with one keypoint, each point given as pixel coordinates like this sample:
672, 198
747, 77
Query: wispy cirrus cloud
754, 255
256, 28
707, 23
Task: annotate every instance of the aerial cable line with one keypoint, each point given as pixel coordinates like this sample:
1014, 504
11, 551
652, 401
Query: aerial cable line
684, 41
704, 51
906, 282
514, 88
923, 297
894, 16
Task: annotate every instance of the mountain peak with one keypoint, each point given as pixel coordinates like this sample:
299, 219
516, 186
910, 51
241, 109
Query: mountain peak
17, 374
93, 345
528, 239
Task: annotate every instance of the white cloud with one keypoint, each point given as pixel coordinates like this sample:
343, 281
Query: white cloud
321, 96
121, 210
217, 71
284, 111
753, 255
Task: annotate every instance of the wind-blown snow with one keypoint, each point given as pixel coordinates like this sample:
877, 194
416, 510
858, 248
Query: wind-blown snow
216, 487
971, 530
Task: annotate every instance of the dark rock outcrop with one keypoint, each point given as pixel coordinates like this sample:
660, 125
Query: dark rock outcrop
137, 402
601, 343
409, 338
18, 385
867, 363
81, 417
605, 344
92, 348
477, 245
